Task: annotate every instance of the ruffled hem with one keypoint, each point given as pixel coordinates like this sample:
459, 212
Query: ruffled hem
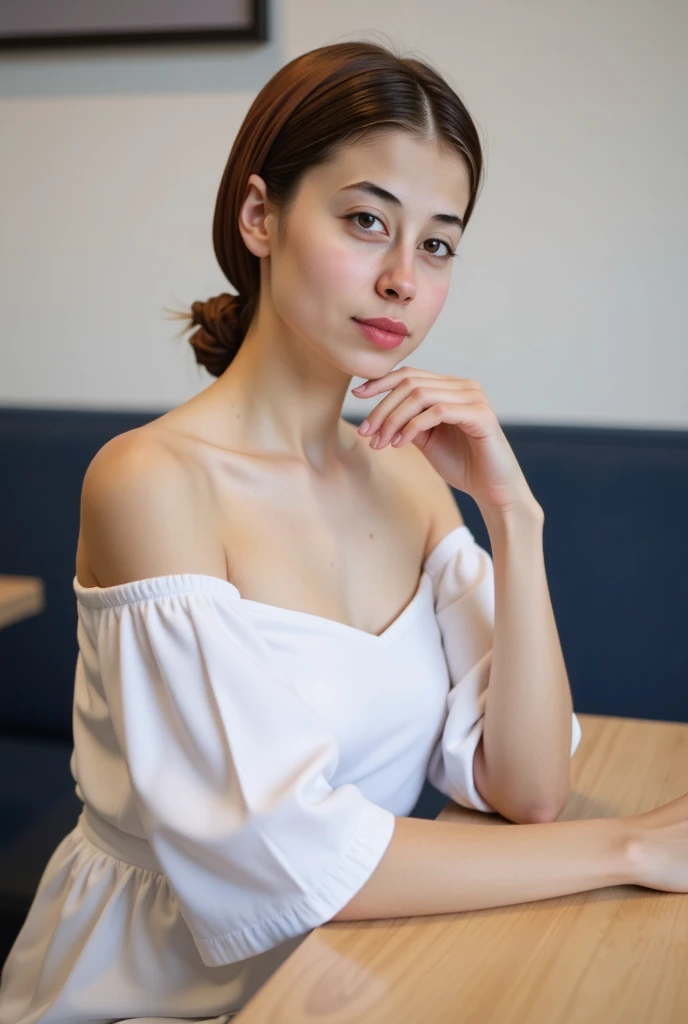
105, 939
311, 910
315, 907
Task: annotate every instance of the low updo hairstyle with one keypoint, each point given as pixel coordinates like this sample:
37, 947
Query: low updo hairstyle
328, 96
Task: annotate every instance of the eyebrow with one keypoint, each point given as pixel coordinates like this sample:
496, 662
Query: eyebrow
382, 193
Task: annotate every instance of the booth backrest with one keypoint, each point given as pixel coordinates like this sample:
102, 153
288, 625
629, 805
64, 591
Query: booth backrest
616, 552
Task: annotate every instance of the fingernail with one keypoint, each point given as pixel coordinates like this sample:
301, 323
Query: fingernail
364, 427
361, 387
396, 438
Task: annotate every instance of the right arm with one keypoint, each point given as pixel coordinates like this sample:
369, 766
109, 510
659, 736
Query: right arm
438, 867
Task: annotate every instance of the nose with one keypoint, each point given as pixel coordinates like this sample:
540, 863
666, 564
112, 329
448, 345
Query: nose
397, 281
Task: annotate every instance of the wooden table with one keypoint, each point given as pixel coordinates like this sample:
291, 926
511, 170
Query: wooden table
617, 955
20, 597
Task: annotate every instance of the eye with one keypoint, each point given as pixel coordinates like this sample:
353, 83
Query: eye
373, 217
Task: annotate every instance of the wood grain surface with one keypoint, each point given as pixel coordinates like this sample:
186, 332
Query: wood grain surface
617, 955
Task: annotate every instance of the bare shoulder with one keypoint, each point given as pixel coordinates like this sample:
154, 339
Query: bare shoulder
141, 515
425, 485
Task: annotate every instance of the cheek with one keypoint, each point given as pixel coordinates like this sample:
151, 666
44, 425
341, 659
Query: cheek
434, 296
331, 268
317, 283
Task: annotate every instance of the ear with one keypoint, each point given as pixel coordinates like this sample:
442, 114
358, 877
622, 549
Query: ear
255, 217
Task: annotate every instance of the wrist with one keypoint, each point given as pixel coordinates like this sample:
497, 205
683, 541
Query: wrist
634, 854
615, 856
527, 514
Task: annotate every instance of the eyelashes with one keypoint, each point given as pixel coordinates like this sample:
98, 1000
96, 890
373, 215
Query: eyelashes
364, 213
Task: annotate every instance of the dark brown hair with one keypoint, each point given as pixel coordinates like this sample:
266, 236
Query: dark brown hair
309, 108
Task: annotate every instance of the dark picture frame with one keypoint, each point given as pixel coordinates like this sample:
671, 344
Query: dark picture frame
47, 24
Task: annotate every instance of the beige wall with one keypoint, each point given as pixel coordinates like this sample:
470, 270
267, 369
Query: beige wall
568, 304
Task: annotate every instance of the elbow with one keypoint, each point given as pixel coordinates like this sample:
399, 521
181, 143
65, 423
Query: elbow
535, 817
539, 815
527, 814
513, 803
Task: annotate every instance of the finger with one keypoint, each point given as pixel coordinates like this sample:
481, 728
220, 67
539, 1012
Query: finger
396, 377
390, 380
418, 385
470, 417
388, 423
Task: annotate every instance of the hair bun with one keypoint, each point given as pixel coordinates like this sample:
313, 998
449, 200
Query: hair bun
212, 312
221, 329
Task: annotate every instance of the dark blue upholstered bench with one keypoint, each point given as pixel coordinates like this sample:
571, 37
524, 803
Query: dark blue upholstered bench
616, 549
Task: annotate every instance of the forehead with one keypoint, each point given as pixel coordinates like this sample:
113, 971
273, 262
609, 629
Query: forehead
421, 174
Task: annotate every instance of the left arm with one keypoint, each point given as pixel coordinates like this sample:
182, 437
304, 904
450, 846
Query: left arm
522, 763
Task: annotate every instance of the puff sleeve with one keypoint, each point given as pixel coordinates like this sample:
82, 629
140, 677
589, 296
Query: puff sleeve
463, 583
230, 768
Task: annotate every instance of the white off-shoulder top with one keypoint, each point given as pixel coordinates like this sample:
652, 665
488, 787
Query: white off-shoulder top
241, 766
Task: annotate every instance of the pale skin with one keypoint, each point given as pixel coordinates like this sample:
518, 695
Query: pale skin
260, 470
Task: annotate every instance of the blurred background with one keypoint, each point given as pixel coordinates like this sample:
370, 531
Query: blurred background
568, 303
568, 299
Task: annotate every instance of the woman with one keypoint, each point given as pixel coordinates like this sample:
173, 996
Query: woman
285, 627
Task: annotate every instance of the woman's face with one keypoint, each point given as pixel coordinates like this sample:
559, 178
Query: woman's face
350, 254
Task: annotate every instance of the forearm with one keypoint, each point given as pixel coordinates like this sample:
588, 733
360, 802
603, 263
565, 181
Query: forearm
523, 765
438, 867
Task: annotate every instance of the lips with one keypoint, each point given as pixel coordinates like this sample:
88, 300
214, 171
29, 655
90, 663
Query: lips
379, 336
385, 324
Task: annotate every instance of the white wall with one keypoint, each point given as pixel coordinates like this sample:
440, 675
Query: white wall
568, 303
